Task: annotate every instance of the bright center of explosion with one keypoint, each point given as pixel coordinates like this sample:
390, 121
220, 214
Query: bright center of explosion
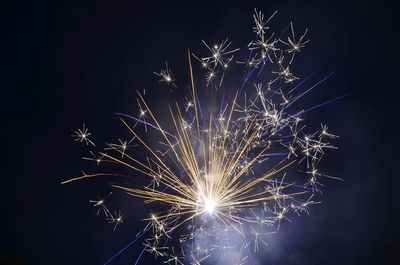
209, 206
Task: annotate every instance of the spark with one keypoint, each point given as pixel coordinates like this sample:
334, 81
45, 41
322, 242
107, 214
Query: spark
116, 219
174, 259
258, 238
82, 135
221, 55
101, 206
122, 146
218, 61
154, 248
260, 26
295, 46
285, 74
96, 158
166, 75
265, 45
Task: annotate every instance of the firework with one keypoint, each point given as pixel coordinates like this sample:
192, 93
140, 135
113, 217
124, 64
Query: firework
226, 176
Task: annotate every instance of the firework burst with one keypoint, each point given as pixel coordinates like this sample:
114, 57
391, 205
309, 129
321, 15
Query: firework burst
224, 177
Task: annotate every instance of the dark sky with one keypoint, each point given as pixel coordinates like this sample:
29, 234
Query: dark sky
70, 62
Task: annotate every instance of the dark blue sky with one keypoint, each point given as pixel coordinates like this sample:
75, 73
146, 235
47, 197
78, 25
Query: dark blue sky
68, 62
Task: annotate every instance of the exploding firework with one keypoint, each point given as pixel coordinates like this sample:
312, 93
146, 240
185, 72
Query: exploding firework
224, 174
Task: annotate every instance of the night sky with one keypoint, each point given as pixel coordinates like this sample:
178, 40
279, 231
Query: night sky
69, 62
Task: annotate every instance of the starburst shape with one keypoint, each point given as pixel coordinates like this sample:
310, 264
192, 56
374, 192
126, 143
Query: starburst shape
295, 45
82, 135
166, 75
228, 166
261, 24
